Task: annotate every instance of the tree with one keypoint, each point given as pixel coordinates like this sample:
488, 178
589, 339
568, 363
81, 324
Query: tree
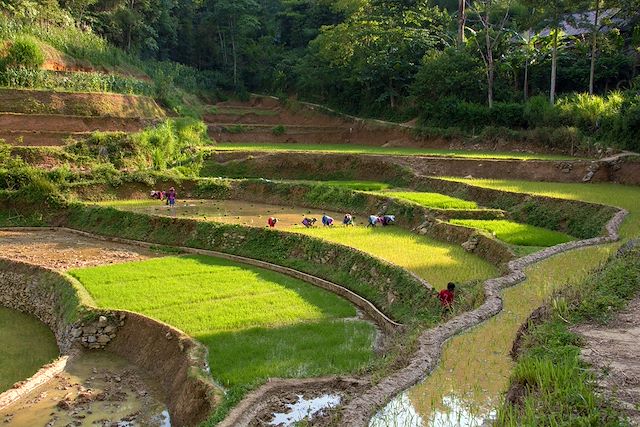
551, 13
492, 35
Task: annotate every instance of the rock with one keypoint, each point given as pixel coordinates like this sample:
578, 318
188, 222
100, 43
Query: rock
168, 336
102, 321
89, 330
471, 244
76, 332
109, 329
64, 405
103, 339
91, 339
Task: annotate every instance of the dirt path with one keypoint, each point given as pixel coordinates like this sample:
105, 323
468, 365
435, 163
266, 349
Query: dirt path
613, 350
62, 250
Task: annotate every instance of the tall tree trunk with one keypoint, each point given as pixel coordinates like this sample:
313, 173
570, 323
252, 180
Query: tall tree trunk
235, 55
490, 67
594, 47
462, 21
526, 79
554, 67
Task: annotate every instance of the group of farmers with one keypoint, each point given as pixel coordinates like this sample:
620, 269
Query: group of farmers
168, 196
347, 221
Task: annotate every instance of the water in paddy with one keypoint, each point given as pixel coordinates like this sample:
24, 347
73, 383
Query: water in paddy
435, 261
468, 385
230, 212
96, 388
27, 344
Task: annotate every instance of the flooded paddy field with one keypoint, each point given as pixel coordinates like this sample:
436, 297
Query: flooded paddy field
434, 261
96, 389
468, 384
229, 212
27, 345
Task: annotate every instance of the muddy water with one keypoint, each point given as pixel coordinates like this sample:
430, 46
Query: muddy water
25, 345
473, 375
230, 212
96, 389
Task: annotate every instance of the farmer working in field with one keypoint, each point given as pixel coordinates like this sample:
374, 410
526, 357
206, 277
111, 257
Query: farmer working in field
171, 197
309, 222
327, 221
447, 296
272, 221
373, 220
388, 220
348, 220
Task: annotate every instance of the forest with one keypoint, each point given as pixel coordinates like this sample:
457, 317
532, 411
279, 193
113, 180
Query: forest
560, 70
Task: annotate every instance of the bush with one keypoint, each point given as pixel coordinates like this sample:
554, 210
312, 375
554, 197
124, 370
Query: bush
24, 52
279, 130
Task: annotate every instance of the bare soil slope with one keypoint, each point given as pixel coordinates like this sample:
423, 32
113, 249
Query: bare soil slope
613, 351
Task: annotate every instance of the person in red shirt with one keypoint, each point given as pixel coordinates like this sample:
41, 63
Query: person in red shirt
272, 221
447, 296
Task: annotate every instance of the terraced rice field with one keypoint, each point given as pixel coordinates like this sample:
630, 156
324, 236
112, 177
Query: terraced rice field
432, 200
401, 151
257, 324
435, 261
27, 344
515, 233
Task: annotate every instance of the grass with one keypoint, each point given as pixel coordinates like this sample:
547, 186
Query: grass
623, 196
401, 151
27, 345
558, 385
515, 233
257, 324
433, 200
434, 261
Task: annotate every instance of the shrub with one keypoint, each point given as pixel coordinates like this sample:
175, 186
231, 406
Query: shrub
24, 52
279, 130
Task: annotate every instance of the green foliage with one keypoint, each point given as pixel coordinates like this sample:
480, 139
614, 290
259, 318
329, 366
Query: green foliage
556, 384
24, 53
174, 144
279, 130
517, 234
74, 82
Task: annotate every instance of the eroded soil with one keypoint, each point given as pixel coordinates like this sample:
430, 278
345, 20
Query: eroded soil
613, 351
96, 389
63, 250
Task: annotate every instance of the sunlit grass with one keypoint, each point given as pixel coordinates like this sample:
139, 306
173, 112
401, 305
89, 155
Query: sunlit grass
256, 323
515, 233
435, 261
27, 344
623, 196
364, 149
433, 200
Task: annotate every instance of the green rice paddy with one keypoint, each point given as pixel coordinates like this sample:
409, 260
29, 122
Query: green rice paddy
257, 324
401, 151
515, 233
623, 196
27, 345
435, 261
433, 200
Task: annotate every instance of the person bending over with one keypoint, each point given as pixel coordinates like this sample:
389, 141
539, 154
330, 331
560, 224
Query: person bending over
447, 296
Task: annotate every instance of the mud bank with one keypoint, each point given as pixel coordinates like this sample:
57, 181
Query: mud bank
157, 348
77, 104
